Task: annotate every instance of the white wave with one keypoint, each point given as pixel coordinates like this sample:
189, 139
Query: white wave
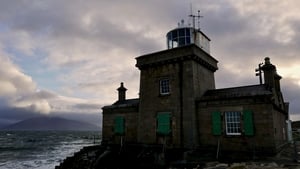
50, 157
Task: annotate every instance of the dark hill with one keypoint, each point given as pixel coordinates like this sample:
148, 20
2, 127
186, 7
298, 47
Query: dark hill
51, 123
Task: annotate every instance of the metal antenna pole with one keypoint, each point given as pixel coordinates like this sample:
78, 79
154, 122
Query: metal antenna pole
259, 72
191, 13
198, 17
194, 17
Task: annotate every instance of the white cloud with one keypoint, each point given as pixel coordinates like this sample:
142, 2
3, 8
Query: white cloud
7, 88
12, 80
41, 106
18, 90
15, 85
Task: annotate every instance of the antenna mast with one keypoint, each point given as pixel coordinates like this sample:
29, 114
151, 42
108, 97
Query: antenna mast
198, 17
194, 17
259, 72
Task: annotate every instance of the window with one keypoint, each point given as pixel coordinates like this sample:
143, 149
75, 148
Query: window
164, 86
181, 32
163, 123
179, 37
233, 123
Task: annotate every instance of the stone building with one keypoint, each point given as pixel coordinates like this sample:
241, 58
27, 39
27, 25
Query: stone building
179, 106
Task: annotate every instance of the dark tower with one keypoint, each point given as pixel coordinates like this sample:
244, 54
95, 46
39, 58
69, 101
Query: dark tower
170, 82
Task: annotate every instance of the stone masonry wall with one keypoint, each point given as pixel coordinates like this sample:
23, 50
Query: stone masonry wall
191, 73
151, 103
130, 115
263, 140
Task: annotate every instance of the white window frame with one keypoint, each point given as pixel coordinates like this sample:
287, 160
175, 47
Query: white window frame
233, 123
164, 86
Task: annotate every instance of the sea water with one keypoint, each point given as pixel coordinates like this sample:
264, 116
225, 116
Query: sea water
41, 149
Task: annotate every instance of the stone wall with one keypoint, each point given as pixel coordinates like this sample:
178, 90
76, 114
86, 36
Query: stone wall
130, 115
151, 102
265, 120
191, 72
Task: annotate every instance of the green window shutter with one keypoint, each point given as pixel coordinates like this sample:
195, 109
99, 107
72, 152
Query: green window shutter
119, 125
164, 123
248, 123
216, 123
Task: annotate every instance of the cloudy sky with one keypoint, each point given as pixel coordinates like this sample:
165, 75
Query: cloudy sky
67, 57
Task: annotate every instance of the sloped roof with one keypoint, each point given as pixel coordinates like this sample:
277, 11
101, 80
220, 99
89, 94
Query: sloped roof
124, 103
127, 102
236, 92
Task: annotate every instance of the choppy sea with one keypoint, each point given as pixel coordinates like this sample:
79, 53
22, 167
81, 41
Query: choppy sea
41, 149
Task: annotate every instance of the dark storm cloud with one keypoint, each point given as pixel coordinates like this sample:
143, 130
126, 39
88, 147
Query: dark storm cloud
63, 21
224, 22
238, 38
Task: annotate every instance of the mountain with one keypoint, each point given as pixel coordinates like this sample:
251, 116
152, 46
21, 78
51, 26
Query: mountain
51, 123
2, 124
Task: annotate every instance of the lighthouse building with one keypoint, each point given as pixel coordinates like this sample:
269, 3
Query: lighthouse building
180, 107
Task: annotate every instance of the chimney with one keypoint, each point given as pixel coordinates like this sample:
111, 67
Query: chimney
270, 75
122, 92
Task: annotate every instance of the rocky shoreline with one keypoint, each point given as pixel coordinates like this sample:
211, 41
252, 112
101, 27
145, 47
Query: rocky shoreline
100, 156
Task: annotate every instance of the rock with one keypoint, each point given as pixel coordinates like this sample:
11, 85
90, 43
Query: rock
222, 165
238, 166
211, 164
215, 165
197, 167
273, 164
